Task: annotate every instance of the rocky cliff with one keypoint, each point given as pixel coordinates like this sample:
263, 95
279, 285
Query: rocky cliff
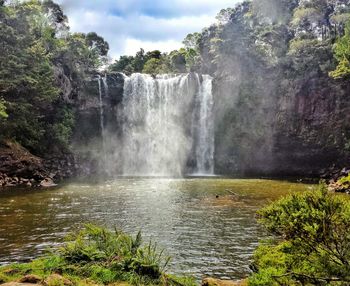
277, 110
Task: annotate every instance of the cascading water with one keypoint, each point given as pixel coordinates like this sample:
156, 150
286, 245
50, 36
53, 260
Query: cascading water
164, 126
102, 81
160, 135
205, 129
99, 80
105, 85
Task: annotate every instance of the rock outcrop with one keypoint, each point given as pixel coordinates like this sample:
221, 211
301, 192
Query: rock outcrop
278, 112
219, 282
19, 167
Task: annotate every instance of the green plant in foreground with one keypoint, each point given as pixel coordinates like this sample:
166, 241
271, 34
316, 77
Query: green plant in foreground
96, 255
345, 182
312, 245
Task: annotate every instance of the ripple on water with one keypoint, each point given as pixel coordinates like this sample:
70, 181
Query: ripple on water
204, 234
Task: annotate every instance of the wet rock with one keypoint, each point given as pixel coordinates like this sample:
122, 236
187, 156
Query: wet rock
336, 186
56, 279
47, 183
219, 282
30, 278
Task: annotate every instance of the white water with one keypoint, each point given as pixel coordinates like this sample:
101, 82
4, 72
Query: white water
205, 129
166, 125
101, 105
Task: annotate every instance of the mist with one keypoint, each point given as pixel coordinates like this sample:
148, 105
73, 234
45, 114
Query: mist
164, 127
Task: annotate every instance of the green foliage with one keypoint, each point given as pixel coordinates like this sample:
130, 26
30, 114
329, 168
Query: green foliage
342, 54
343, 184
305, 14
135, 64
3, 113
61, 129
154, 66
101, 256
154, 62
313, 244
192, 41
95, 246
36, 50
298, 46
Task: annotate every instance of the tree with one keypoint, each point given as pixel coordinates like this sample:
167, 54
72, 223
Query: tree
224, 15
154, 66
192, 41
177, 61
342, 54
124, 65
97, 44
33, 55
156, 54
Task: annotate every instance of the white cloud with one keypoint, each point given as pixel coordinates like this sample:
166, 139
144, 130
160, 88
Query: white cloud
130, 24
134, 45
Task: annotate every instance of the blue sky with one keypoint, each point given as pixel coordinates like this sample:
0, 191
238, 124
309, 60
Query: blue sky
129, 25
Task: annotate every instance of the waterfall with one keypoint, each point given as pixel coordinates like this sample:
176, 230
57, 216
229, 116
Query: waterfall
205, 130
166, 125
102, 81
99, 80
105, 85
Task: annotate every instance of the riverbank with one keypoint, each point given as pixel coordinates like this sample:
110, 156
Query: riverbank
95, 255
19, 167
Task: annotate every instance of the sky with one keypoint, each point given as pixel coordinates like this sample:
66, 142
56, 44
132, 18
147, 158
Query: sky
129, 25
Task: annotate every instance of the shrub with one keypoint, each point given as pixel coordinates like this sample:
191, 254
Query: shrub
115, 251
101, 256
312, 243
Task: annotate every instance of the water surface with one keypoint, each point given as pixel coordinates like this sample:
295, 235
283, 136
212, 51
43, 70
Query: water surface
208, 226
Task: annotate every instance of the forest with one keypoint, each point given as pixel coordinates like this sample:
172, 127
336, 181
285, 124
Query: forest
232, 151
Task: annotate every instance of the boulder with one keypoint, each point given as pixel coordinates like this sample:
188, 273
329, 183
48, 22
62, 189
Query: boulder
30, 278
56, 279
47, 183
219, 282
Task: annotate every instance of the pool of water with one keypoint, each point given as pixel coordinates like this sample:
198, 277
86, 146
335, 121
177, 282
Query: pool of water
207, 225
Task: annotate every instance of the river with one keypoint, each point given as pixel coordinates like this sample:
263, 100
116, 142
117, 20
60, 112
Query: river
207, 225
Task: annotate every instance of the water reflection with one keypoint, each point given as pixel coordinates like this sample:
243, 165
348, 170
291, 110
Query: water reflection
207, 225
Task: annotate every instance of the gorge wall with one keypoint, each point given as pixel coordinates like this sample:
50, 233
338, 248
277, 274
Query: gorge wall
276, 109
267, 125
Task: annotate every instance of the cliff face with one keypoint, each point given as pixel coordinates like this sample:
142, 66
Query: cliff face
267, 121
312, 128
280, 126
277, 110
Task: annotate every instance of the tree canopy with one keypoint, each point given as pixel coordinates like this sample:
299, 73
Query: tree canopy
37, 49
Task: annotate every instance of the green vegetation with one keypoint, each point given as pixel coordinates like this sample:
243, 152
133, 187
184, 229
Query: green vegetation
342, 54
3, 113
39, 58
312, 246
96, 255
154, 62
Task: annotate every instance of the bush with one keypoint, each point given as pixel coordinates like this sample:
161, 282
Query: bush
312, 243
101, 256
95, 247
